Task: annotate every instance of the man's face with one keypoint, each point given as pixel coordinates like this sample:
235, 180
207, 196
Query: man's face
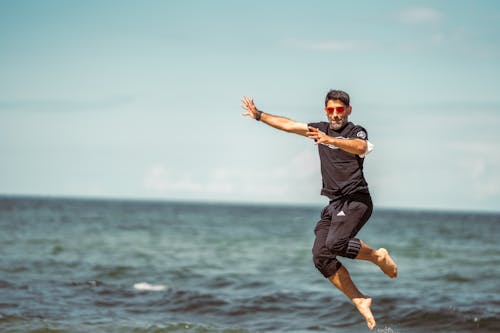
337, 113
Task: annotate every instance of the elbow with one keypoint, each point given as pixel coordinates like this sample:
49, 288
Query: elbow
368, 147
359, 152
362, 148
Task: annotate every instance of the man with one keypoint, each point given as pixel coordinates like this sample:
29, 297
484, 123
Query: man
342, 147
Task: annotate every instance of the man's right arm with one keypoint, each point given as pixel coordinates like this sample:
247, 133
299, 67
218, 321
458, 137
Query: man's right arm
281, 123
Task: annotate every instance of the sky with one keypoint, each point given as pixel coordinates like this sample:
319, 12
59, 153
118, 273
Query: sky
141, 99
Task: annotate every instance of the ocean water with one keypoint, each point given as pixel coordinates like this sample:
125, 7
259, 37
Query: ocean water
69, 265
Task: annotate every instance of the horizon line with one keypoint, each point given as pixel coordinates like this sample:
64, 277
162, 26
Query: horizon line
232, 203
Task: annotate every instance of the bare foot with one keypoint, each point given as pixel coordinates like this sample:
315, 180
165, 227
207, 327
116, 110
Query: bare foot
386, 264
363, 306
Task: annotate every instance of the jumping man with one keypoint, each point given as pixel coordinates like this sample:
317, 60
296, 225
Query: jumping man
342, 147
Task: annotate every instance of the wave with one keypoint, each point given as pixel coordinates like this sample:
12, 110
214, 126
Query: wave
441, 319
187, 327
189, 310
13, 324
113, 272
5, 284
458, 278
144, 286
92, 283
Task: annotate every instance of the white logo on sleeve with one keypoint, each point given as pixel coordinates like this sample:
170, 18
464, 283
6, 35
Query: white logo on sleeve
361, 135
341, 213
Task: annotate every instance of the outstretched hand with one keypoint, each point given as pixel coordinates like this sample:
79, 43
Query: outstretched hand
316, 134
249, 106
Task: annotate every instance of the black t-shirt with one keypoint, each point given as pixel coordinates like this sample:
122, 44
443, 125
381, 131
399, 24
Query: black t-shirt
342, 172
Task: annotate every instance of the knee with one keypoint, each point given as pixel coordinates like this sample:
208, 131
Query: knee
325, 263
320, 262
326, 266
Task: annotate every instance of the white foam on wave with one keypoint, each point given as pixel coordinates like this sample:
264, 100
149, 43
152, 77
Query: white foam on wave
149, 287
386, 330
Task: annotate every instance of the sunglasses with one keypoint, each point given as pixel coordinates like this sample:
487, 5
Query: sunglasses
340, 109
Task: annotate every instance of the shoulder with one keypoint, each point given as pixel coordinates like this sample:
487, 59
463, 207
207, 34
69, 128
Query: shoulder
357, 131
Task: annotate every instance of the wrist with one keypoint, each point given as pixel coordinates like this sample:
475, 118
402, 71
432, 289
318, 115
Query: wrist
258, 116
333, 141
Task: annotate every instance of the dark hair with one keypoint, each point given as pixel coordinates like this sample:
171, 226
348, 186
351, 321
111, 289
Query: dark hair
337, 94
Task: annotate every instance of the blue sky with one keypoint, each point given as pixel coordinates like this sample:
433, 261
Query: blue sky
141, 99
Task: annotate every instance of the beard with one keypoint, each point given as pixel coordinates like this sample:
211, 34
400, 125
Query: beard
337, 124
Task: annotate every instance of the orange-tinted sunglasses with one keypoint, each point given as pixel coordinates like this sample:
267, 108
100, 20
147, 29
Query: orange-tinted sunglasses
340, 109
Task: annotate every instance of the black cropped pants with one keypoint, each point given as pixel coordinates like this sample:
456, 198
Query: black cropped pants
340, 221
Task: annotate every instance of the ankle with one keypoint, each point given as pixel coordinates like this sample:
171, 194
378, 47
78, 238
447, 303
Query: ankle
359, 300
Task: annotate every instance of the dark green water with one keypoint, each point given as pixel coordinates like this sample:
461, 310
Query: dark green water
125, 266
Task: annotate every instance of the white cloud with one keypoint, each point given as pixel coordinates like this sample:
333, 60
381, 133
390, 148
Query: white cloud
295, 180
161, 179
419, 15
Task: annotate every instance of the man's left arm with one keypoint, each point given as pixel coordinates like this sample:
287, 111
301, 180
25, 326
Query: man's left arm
354, 146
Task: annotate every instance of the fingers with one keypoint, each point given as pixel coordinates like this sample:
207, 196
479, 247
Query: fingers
246, 106
311, 129
247, 103
245, 100
312, 132
315, 134
249, 106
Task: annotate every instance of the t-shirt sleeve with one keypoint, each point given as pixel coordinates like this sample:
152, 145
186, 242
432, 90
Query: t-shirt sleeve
322, 126
359, 132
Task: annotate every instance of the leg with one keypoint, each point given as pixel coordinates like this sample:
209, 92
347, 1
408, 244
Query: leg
346, 222
324, 260
327, 263
342, 280
379, 257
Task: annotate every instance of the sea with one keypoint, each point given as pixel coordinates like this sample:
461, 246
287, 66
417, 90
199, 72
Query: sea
88, 265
